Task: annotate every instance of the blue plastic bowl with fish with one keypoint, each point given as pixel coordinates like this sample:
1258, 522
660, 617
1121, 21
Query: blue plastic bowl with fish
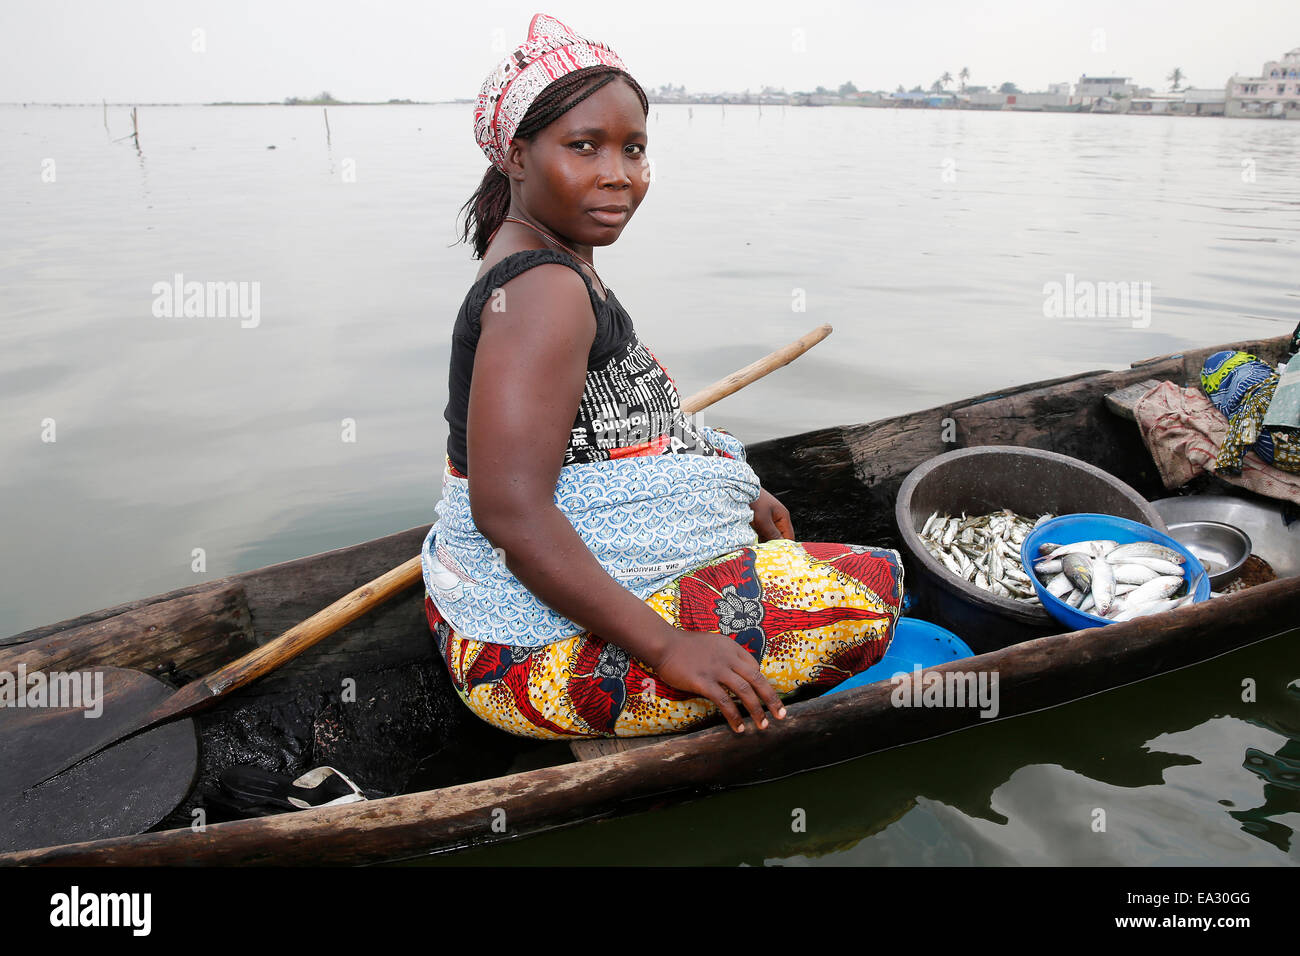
1073, 529
915, 642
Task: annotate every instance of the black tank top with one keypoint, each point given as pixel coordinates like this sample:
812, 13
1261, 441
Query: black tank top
629, 405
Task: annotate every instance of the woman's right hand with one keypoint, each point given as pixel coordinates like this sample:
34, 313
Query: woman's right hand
715, 667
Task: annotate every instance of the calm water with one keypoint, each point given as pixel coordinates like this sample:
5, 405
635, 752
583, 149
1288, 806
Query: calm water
925, 238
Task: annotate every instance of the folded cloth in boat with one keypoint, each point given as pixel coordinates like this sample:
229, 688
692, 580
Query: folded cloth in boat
1228, 377
647, 519
1185, 434
1284, 409
1243, 388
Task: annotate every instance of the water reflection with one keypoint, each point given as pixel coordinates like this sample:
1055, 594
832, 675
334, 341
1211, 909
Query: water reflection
1281, 771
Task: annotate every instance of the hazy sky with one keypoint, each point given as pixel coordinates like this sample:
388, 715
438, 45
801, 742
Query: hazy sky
142, 50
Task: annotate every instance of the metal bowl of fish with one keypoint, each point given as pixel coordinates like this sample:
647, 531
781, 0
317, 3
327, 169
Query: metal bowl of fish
983, 502
1095, 569
1222, 548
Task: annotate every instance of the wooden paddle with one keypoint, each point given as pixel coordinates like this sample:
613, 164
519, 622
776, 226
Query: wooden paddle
57, 746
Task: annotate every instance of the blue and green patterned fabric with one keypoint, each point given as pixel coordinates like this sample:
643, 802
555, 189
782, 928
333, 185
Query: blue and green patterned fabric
1242, 386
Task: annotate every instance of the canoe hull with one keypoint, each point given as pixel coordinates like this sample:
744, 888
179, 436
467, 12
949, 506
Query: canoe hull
839, 483
830, 729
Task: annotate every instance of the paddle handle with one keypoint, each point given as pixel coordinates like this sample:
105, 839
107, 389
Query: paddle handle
350, 607
754, 371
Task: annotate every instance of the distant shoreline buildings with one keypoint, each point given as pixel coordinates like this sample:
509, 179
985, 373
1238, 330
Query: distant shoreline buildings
1274, 94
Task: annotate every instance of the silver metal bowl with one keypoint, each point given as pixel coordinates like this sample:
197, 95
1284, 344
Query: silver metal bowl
1221, 547
1271, 537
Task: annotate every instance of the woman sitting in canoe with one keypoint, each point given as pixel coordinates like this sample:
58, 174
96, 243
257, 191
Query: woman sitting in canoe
601, 565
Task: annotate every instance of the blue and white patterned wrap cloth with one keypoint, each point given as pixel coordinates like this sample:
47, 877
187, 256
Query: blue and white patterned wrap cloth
647, 519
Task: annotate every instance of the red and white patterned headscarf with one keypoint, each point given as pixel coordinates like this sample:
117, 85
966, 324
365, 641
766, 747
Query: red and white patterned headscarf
551, 51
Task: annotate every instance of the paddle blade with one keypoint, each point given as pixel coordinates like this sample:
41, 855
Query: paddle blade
125, 789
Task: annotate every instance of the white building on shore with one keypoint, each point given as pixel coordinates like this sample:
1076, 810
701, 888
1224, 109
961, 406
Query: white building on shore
1095, 87
1274, 93
1200, 102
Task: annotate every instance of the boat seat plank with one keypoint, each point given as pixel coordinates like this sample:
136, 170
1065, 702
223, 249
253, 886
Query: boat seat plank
1124, 400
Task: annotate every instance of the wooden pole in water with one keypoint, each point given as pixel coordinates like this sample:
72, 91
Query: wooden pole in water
327, 125
105, 102
135, 127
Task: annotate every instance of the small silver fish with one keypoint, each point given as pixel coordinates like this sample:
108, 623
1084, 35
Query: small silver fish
1134, 573
1092, 549
1103, 585
1144, 549
1159, 565
1046, 566
1059, 586
1160, 589
1143, 610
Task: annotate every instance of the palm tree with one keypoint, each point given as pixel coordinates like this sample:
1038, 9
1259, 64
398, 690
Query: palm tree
964, 75
945, 79
1176, 78
936, 86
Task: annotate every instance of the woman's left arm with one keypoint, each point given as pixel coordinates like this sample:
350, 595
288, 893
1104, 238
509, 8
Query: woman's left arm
771, 518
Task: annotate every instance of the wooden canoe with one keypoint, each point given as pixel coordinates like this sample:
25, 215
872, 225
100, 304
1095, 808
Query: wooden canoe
457, 782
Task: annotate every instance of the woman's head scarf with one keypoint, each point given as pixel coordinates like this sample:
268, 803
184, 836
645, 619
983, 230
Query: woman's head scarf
551, 51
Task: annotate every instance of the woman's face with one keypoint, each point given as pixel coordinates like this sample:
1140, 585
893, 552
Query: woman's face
594, 155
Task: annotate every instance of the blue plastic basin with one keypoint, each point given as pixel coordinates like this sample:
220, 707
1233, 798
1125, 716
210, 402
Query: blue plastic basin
1070, 529
915, 642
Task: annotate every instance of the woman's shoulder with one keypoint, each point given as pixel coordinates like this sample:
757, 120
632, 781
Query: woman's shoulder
542, 278
536, 273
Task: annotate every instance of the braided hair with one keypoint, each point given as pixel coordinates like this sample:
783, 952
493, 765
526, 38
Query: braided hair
486, 209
